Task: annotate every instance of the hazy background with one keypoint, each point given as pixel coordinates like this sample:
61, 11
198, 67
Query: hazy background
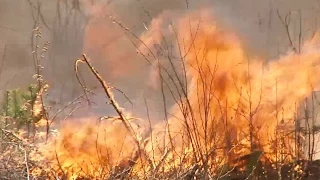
76, 26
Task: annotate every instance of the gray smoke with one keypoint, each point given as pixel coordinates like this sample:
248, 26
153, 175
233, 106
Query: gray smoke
83, 26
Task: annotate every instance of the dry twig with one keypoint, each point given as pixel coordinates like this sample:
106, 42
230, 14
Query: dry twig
110, 96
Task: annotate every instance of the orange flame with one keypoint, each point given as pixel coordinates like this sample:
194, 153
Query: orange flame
87, 150
235, 100
233, 103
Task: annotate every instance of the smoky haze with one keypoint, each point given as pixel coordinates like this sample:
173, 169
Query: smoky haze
84, 26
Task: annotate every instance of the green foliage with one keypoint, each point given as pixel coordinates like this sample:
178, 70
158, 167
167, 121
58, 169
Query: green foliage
18, 106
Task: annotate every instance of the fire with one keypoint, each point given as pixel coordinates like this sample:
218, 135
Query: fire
235, 102
229, 104
87, 150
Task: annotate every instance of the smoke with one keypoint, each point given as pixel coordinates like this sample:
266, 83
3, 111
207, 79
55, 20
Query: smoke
111, 47
88, 28
234, 103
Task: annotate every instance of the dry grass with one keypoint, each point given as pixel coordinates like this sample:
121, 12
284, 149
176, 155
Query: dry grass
204, 141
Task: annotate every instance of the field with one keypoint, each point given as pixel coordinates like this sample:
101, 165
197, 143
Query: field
159, 90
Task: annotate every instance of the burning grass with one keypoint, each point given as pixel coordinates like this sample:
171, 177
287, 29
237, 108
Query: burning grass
228, 105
